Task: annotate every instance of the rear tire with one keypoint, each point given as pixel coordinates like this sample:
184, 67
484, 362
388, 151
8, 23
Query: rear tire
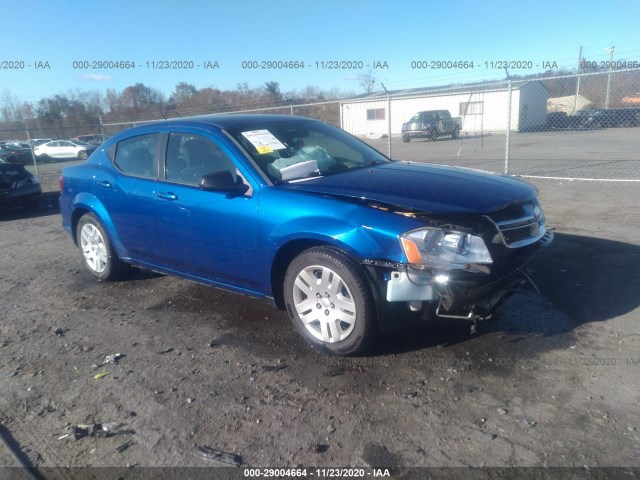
456, 134
329, 302
96, 251
406, 138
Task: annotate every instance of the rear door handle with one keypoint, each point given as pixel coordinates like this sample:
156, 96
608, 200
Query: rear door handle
103, 184
168, 196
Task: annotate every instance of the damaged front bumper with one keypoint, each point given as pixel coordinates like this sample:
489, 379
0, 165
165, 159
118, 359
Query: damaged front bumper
453, 294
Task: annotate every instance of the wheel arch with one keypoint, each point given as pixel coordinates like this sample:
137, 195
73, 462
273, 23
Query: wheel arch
288, 251
77, 214
88, 203
293, 248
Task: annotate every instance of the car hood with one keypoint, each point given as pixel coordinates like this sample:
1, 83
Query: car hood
428, 188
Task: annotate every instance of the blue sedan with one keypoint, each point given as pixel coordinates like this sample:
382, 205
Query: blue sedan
345, 240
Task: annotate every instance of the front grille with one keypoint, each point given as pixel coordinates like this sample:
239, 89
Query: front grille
520, 234
520, 225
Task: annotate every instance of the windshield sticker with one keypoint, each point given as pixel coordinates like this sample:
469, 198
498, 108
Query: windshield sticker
264, 141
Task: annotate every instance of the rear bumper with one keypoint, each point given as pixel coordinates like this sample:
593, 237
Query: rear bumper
20, 196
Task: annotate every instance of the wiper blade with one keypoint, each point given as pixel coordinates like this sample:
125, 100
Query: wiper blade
373, 163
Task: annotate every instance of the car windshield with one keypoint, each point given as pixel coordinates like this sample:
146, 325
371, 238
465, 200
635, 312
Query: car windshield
297, 150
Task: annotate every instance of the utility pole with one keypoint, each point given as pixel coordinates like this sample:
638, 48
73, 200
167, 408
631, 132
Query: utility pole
575, 103
610, 52
388, 120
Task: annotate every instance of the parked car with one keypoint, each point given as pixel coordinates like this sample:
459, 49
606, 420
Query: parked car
39, 141
616, 117
582, 118
63, 149
15, 154
431, 124
17, 186
345, 240
557, 121
92, 139
18, 144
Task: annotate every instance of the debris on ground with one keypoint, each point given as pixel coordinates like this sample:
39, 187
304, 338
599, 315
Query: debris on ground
168, 350
527, 422
274, 368
113, 358
100, 430
100, 375
333, 372
217, 456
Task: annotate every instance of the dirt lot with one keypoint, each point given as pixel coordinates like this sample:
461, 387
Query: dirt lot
553, 380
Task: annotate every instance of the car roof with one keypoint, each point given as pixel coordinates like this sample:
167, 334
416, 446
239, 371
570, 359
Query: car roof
229, 120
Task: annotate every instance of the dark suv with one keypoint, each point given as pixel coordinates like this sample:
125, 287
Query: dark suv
431, 124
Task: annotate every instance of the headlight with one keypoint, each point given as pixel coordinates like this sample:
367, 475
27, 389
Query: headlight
442, 249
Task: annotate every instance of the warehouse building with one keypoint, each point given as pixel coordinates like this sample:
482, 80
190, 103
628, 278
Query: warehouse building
480, 107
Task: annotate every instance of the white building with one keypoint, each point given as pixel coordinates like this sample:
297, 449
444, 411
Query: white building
480, 107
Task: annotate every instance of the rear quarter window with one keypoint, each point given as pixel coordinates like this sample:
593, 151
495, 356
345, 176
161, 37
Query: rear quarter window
135, 156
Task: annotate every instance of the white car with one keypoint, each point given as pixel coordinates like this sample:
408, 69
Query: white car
63, 149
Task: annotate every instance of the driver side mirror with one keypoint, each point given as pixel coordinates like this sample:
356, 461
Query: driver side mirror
222, 181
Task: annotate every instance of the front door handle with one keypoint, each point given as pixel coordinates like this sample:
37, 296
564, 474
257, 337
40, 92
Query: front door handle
103, 184
168, 196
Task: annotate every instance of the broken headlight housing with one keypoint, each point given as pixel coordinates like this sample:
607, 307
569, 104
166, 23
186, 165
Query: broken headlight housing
444, 249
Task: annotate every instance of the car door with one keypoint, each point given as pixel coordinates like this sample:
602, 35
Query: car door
207, 234
52, 149
67, 150
127, 189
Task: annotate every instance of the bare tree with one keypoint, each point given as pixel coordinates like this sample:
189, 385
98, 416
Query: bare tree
11, 108
367, 80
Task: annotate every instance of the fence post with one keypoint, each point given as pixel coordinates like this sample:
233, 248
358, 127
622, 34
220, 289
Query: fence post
389, 125
507, 146
610, 50
33, 155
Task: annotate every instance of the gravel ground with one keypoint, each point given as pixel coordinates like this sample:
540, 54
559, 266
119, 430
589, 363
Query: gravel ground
552, 380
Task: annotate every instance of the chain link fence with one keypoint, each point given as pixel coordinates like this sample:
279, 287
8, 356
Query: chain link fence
583, 126
577, 127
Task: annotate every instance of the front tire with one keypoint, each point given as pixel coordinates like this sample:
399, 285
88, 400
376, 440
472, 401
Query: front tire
406, 138
329, 302
97, 253
82, 155
456, 134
